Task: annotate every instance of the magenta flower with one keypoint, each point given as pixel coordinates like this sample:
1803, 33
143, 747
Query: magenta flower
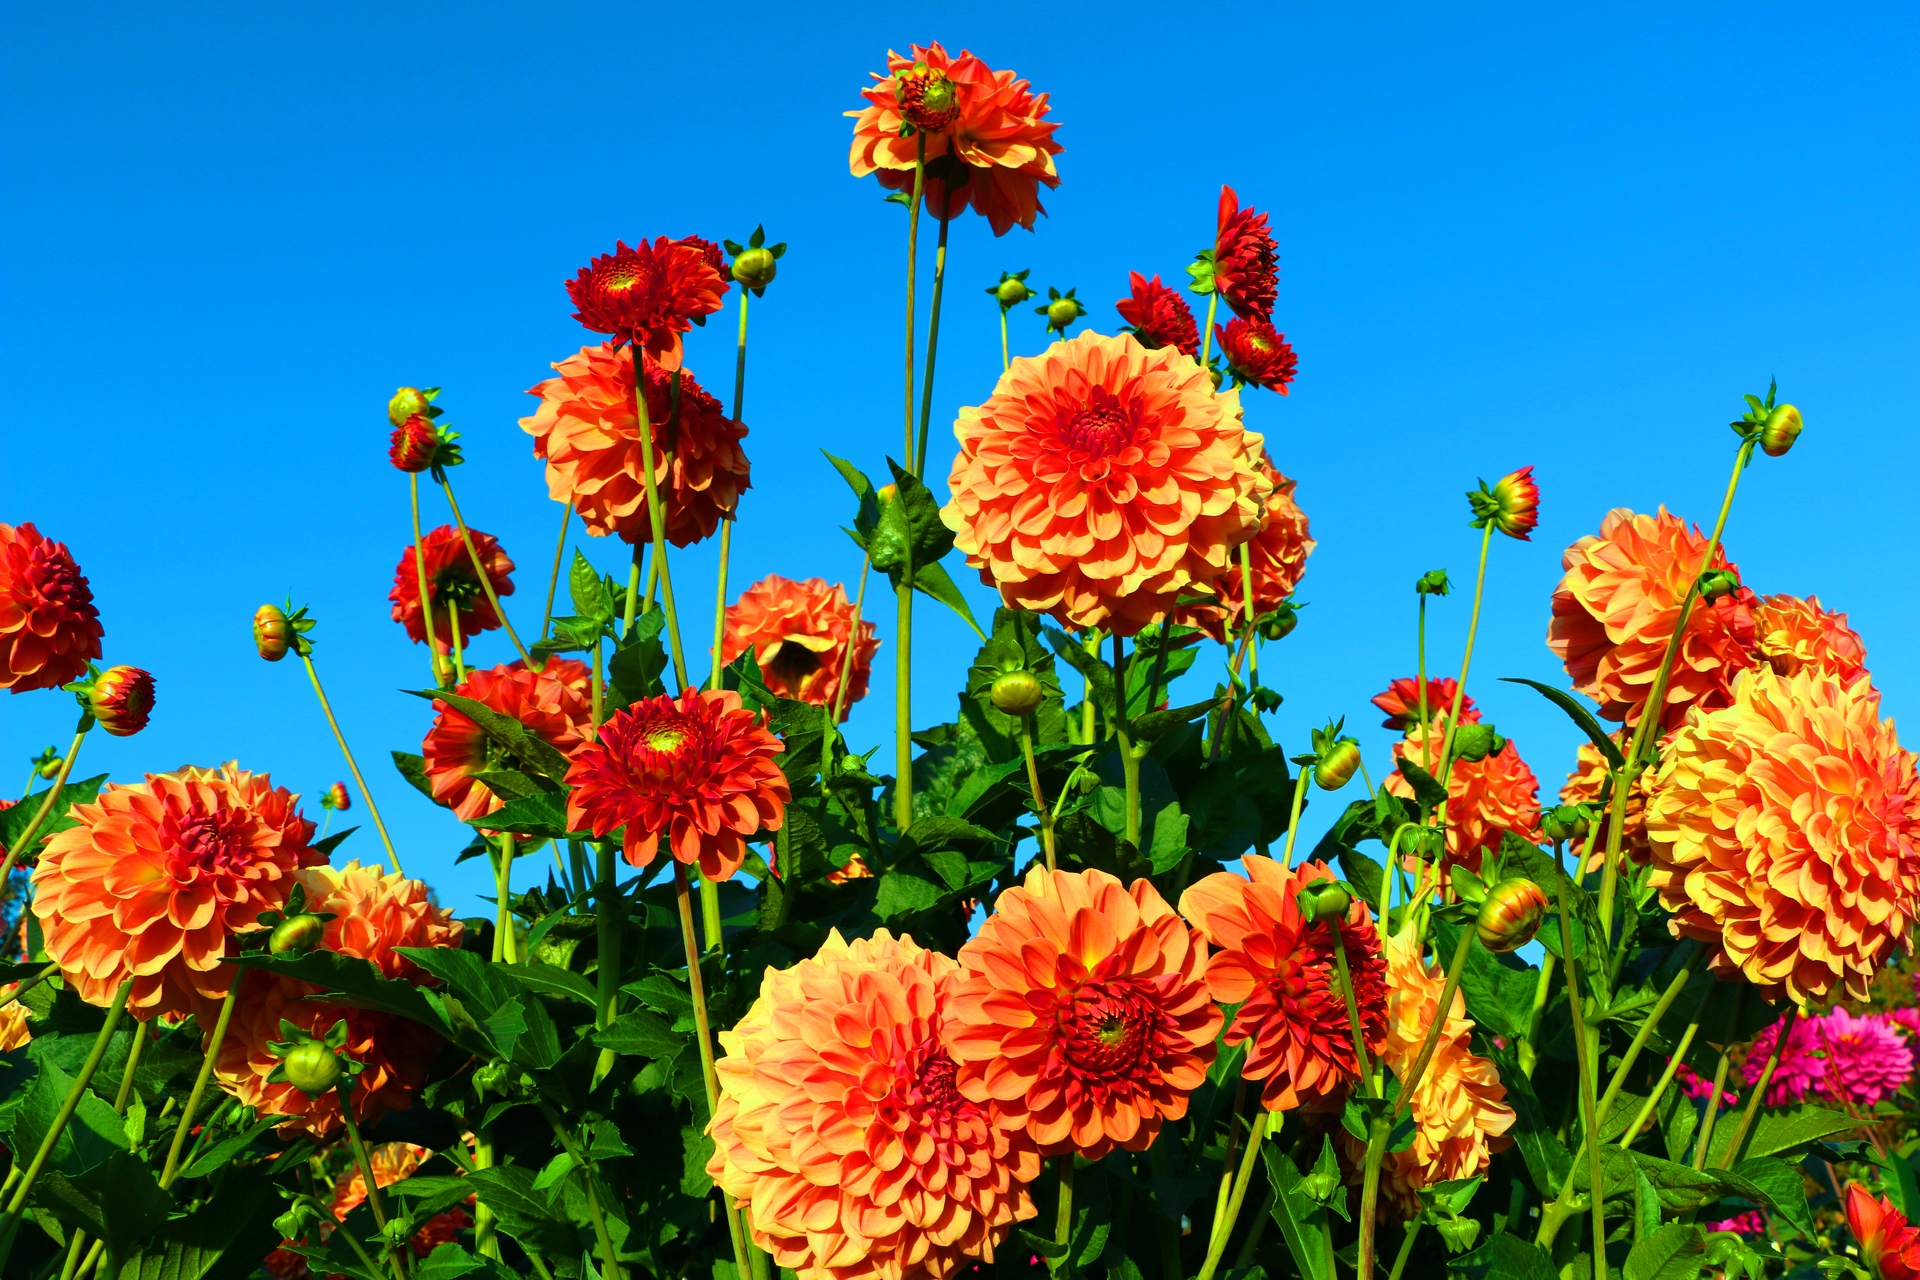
1803, 1068
1867, 1059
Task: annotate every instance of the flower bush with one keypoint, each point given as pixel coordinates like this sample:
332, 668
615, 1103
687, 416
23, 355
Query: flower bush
1055, 990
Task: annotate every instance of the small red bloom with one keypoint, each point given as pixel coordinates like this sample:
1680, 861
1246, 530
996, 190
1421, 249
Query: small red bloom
1160, 317
1888, 1242
49, 629
450, 580
121, 700
413, 445
336, 798
1245, 270
1512, 505
650, 294
1256, 354
697, 769
1401, 702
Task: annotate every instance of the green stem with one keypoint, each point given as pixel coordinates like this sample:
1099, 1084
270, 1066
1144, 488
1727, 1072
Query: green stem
710, 915
697, 993
375, 1203
352, 767
656, 514
486, 582
172, 1168
608, 907
1377, 1133
903, 702
632, 603
1033, 785
1705, 1142
1089, 723
125, 1091
1426, 718
1261, 1217
933, 347
1206, 330
1129, 762
459, 656
553, 580
596, 1211
1223, 1228
913, 273
74, 1246
1589, 1111
1678, 1056
1246, 614
1445, 769
1542, 988
1293, 815
1006, 353
1063, 1208
486, 1240
505, 945
1406, 1248
434, 662
853, 640
1361, 1062
25, 838
1752, 1111
598, 685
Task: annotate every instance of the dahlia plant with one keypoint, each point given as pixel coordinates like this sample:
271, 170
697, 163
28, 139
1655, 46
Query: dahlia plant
1063, 994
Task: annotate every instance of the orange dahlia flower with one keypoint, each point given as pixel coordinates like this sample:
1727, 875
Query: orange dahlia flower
1583, 786
49, 629
1277, 555
1783, 834
1245, 259
697, 769
374, 912
1889, 1243
1615, 610
1083, 1012
840, 1130
1159, 316
1459, 1108
155, 878
1102, 480
451, 584
555, 703
1001, 147
1401, 702
799, 633
588, 433
651, 294
1794, 635
1280, 969
1485, 798
395, 1162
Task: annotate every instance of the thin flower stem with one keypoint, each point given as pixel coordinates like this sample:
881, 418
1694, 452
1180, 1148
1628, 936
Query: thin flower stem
29, 984
913, 272
710, 916
1293, 816
180, 1131
1445, 769
1406, 1248
505, 945
720, 604
553, 579
933, 346
375, 1203
1377, 1133
632, 604
1589, 1111
1129, 762
1644, 733
1678, 1056
1705, 1142
1261, 1217
486, 1240
1760, 1086
598, 685
1360, 1058
353, 768
1006, 353
420, 580
1426, 717
1206, 333
1223, 1229
853, 640
1033, 784
133, 1064
459, 654
608, 909
72, 1263
656, 515
1246, 614
1232, 1148
1089, 723
25, 840
1063, 1208
486, 582
697, 992
903, 702
596, 1212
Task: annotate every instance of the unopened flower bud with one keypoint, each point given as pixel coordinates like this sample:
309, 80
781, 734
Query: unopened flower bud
1324, 900
755, 267
1458, 1233
1716, 583
46, 765
1216, 377
928, 100
1062, 312
1012, 289
297, 935
407, 402
335, 797
313, 1068
1510, 914
1433, 583
1511, 504
1279, 624
121, 700
1566, 822
272, 633
1337, 765
1781, 430
490, 1077
414, 445
1476, 742
1017, 692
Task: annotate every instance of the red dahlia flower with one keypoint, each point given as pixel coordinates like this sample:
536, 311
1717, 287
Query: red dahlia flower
697, 769
413, 445
1159, 316
450, 581
1401, 702
650, 294
1244, 262
554, 703
1256, 354
1888, 1242
49, 629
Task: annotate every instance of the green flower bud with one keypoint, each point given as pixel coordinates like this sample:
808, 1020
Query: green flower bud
1781, 430
406, 403
1337, 765
1324, 900
1566, 822
1510, 914
755, 268
1715, 583
296, 935
313, 1068
1017, 692
1012, 289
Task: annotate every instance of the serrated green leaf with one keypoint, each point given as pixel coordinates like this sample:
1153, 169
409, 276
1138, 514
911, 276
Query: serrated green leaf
527, 746
1674, 1252
591, 599
641, 1033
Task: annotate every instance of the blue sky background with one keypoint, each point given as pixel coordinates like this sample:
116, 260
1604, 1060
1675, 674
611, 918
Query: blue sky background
1509, 235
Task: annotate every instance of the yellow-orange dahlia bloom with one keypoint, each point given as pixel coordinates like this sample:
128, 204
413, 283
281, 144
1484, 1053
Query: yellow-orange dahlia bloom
1277, 555
1794, 634
1083, 1012
1485, 798
1459, 1108
556, 703
799, 633
395, 1162
1280, 969
374, 912
586, 430
840, 1131
992, 127
1583, 786
13, 1022
156, 878
1615, 610
1102, 480
1783, 833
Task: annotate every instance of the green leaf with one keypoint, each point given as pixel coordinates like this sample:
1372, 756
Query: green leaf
932, 581
868, 515
1506, 1257
228, 1147
1155, 723
93, 1135
591, 599
450, 1262
414, 769
1366, 875
508, 784
696, 1148
358, 984
224, 1237
903, 894
663, 994
1582, 717
1897, 1173
1779, 1186
1781, 1129
1674, 1252
14, 821
1431, 795
527, 746
639, 659
523, 1212
543, 813
118, 1201
552, 980
910, 533
1298, 1216
1098, 675
642, 1034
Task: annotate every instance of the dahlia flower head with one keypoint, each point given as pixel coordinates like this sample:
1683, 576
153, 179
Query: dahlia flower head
1485, 798
555, 703
698, 770
1615, 609
49, 627
1082, 1013
1856, 1060
155, 879
1889, 1244
841, 1133
395, 1162
1459, 1108
997, 131
1584, 786
800, 633
1257, 354
1793, 635
651, 294
1750, 1223
1782, 834
1280, 969
1277, 556
586, 431
1246, 273
1159, 316
375, 913
14, 1032
1401, 702
1101, 481
452, 586
1801, 1070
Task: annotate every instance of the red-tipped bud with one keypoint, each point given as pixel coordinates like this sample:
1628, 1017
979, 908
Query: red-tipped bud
1017, 692
1510, 914
413, 445
272, 633
408, 402
335, 797
928, 99
121, 700
1512, 505
313, 1068
1781, 430
1337, 765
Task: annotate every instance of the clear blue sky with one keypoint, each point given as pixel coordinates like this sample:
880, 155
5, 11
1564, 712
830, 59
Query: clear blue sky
1509, 234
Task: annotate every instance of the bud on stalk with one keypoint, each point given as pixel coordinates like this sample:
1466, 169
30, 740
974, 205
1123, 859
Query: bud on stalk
1017, 692
121, 700
413, 445
755, 268
1781, 430
1510, 914
272, 633
1337, 765
1566, 822
1324, 900
408, 402
313, 1067
297, 935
